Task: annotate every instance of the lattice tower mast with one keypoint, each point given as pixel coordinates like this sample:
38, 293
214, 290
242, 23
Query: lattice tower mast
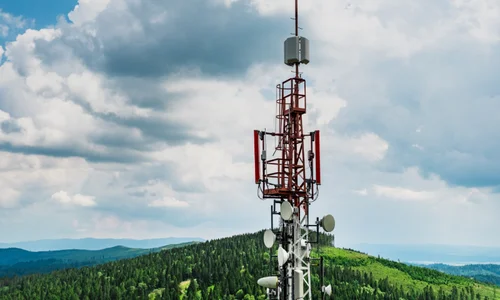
284, 178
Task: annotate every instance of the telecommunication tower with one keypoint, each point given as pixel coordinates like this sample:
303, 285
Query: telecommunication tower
291, 182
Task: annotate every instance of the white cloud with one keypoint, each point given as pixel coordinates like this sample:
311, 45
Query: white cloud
78, 199
104, 107
400, 193
11, 25
4, 30
358, 149
325, 105
168, 202
89, 87
28, 179
87, 11
370, 146
109, 223
411, 186
16, 22
481, 18
9, 196
362, 192
21, 51
425, 210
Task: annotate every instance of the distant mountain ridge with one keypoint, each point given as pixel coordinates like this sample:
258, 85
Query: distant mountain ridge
12, 256
489, 273
15, 261
96, 244
429, 254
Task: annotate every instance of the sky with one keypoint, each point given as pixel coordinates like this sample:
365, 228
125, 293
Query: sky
135, 119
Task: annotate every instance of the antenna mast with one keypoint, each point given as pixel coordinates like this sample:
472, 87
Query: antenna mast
291, 182
297, 32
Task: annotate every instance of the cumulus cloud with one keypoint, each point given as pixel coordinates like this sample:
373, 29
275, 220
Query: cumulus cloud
369, 146
399, 70
143, 108
26, 180
406, 208
213, 43
87, 11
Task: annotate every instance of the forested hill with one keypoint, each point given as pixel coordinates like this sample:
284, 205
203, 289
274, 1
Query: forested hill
229, 268
14, 261
484, 272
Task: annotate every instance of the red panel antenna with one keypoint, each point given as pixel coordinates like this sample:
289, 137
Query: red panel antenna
256, 155
318, 157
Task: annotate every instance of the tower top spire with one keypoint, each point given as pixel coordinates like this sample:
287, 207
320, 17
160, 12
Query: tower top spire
296, 17
296, 47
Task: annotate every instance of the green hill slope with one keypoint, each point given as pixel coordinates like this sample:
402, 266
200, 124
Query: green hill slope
229, 268
14, 261
412, 280
485, 272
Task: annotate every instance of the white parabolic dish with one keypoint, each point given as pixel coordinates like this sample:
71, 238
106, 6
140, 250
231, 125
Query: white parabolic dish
327, 289
269, 238
270, 282
328, 223
282, 256
286, 210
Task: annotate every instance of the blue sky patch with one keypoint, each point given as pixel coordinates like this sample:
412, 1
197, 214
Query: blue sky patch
16, 16
43, 12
